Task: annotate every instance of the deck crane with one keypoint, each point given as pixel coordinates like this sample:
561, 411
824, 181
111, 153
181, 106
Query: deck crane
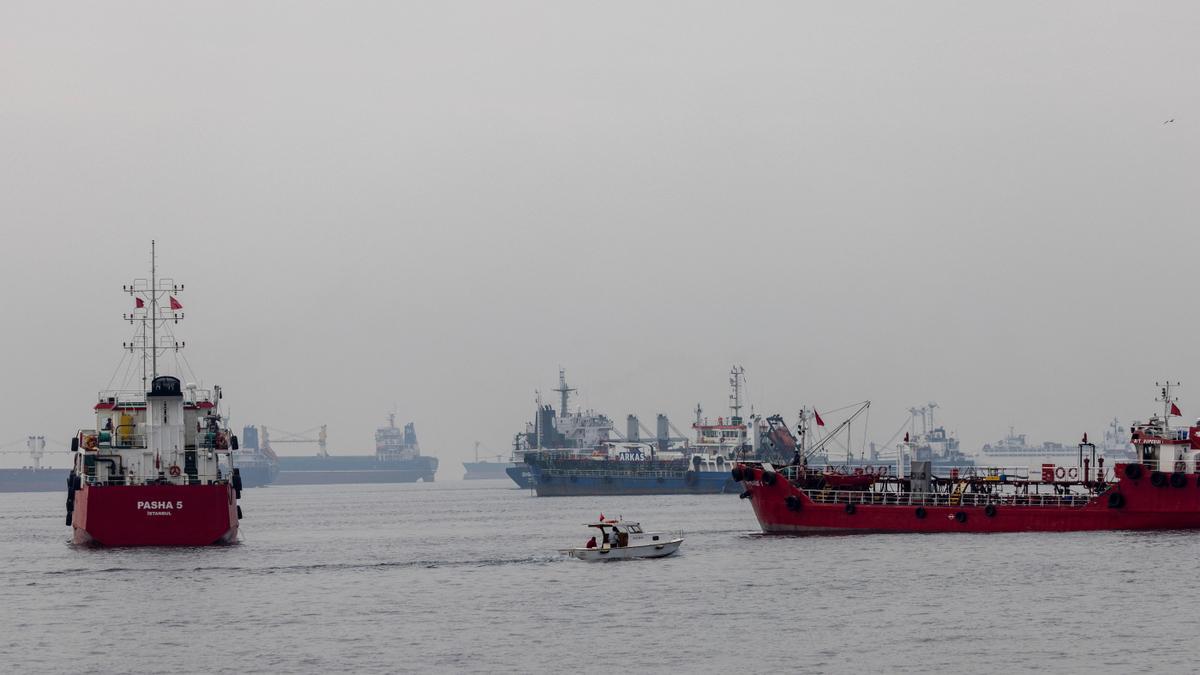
297, 437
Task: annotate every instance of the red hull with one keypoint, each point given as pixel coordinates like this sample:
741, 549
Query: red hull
1146, 507
155, 515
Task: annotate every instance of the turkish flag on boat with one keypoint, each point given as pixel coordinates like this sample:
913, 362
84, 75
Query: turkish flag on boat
138, 303
817, 417
1175, 410
175, 303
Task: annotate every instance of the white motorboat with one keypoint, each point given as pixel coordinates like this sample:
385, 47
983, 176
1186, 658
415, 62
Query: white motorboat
622, 540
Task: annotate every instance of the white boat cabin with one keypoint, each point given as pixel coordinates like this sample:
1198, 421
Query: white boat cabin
169, 434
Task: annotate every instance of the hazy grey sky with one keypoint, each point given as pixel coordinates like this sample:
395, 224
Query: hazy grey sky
434, 205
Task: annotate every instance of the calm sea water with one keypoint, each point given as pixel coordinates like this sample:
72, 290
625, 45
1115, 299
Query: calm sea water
456, 577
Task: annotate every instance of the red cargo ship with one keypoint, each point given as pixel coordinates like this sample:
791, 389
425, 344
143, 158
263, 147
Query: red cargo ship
149, 472
1159, 491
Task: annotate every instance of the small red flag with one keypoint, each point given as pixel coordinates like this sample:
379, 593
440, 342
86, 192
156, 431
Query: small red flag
1085, 438
1175, 410
817, 417
138, 303
906, 437
602, 517
175, 303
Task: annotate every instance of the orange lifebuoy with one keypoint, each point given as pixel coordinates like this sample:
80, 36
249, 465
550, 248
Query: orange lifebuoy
89, 442
174, 470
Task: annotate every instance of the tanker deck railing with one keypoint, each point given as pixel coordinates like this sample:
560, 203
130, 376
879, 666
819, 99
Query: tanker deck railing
127, 479
946, 499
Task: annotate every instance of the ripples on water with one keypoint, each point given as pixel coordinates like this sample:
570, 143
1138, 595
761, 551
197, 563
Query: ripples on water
465, 577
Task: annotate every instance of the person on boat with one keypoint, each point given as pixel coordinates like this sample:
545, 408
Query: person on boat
108, 424
591, 543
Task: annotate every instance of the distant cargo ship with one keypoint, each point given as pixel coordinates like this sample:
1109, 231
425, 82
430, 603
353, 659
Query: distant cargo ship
1014, 446
397, 459
594, 463
259, 466
482, 469
34, 478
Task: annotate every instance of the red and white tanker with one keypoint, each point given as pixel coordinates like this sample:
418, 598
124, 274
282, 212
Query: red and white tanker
149, 472
1158, 491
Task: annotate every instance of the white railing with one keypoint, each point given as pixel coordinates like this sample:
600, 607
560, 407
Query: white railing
130, 479
946, 499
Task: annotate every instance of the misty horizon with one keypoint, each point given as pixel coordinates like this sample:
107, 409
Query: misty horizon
426, 210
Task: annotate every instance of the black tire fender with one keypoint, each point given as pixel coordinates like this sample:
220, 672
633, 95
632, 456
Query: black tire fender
793, 503
1116, 500
920, 512
961, 516
850, 509
990, 510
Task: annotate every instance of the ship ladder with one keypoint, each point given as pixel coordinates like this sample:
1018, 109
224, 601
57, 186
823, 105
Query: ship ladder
956, 495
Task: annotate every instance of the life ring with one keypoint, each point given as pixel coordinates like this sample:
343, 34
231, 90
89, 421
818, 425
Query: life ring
850, 509
1133, 471
1178, 479
990, 510
1158, 478
174, 471
89, 442
1116, 500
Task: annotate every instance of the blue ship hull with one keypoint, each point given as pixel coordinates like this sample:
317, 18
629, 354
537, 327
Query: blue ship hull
555, 483
522, 475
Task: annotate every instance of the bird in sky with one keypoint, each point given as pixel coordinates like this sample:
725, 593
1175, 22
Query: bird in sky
1169, 121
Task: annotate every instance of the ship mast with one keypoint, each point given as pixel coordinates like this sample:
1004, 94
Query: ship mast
563, 391
1167, 400
737, 378
146, 296
153, 313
